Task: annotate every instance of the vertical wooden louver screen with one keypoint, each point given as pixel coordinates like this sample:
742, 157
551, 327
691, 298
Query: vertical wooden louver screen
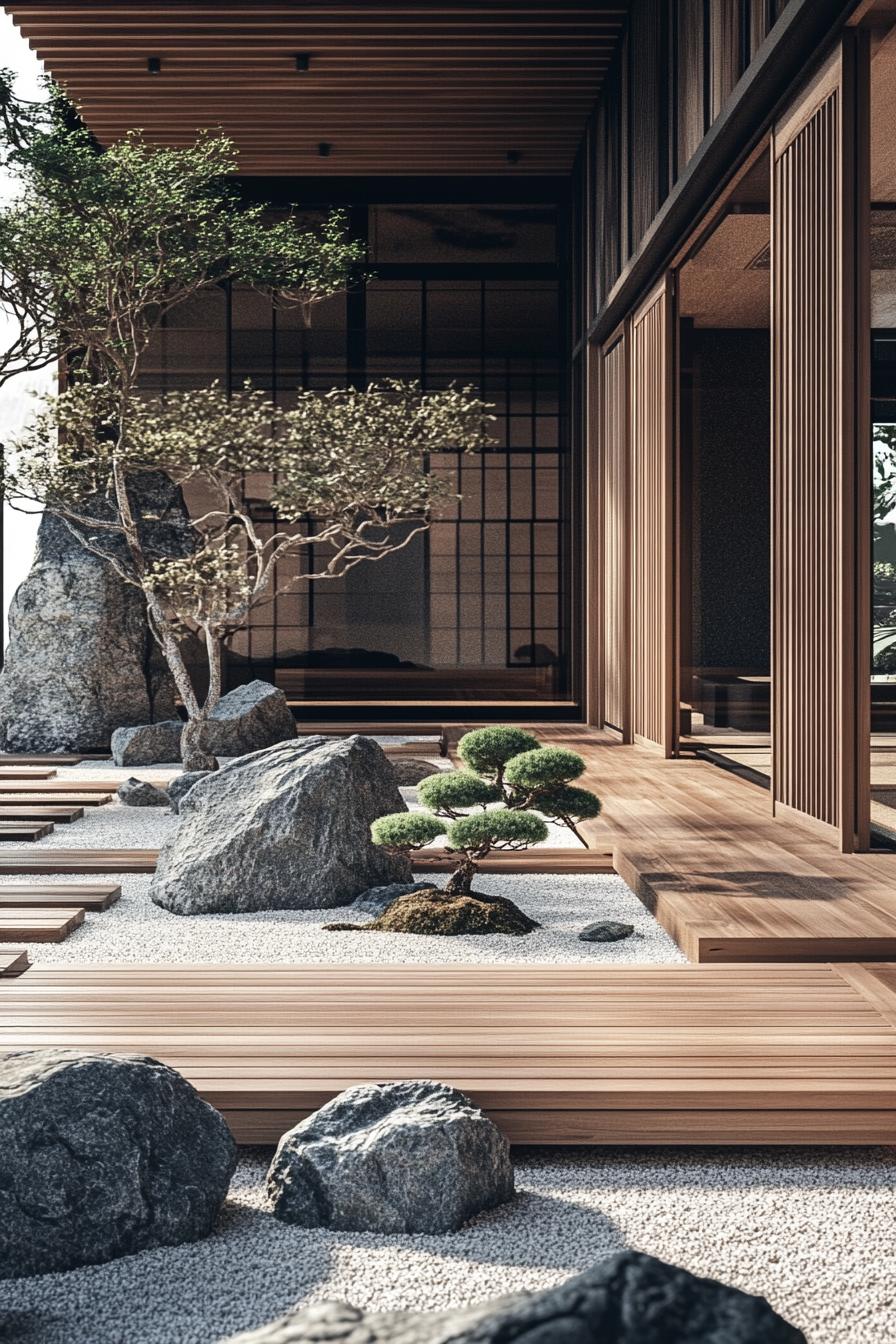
820, 457
652, 521
614, 410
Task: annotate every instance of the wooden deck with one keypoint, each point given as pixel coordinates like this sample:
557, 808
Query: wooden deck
561, 1055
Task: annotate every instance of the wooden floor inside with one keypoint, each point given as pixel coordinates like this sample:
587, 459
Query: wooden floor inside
560, 1055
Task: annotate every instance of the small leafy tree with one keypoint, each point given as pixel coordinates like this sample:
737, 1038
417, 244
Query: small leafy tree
354, 462
499, 801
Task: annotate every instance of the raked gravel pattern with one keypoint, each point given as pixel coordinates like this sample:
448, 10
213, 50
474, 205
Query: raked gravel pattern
810, 1229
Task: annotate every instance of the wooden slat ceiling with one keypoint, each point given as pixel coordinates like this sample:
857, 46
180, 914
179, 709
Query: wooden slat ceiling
397, 89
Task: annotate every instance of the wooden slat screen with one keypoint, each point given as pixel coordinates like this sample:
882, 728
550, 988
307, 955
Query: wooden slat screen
820, 479
616, 532
652, 511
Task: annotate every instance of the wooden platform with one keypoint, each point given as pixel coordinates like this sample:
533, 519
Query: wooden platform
13, 960
80, 785
47, 924
61, 895
25, 830
26, 772
633, 1055
21, 861
56, 813
71, 797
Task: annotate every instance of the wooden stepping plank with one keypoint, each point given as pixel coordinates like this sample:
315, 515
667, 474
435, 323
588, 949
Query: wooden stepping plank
72, 799
25, 830
26, 772
62, 785
62, 895
13, 960
39, 812
49, 925
50, 757
78, 860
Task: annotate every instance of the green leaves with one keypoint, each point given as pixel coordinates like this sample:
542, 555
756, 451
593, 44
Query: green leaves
500, 829
543, 767
452, 789
487, 750
406, 830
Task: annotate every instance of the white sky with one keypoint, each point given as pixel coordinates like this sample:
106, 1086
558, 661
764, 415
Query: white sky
15, 400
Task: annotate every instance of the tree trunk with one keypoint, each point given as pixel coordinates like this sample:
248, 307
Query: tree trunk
192, 753
460, 882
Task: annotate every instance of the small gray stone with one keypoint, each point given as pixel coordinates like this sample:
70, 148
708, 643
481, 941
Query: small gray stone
376, 900
247, 719
409, 770
606, 931
102, 1156
395, 1157
149, 744
140, 793
630, 1298
181, 785
287, 828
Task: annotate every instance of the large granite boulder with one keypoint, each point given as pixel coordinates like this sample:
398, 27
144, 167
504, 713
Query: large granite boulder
102, 1156
630, 1298
247, 719
80, 660
395, 1157
287, 828
409, 770
148, 744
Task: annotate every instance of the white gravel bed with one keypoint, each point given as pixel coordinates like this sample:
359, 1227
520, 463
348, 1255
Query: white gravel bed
136, 930
809, 1229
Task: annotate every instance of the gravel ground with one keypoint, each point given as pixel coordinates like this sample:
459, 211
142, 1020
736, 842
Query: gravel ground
810, 1229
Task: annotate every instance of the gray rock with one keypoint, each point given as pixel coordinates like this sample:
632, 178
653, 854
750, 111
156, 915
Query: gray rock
287, 828
181, 785
398, 1157
409, 770
148, 744
606, 931
140, 793
80, 660
102, 1156
247, 719
376, 900
629, 1298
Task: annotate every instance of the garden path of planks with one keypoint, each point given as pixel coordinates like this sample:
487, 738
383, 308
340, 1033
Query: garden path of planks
561, 1055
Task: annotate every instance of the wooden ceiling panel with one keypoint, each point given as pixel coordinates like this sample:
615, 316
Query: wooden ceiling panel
417, 88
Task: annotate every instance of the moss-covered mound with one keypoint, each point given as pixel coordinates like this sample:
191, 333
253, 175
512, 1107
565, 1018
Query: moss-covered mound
437, 912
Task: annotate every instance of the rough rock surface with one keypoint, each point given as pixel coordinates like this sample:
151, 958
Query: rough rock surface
287, 828
409, 770
396, 1157
630, 1298
101, 1156
247, 719
148, 744
181, 784
606, 931
135, 792
376, 900
431, 910
80, 660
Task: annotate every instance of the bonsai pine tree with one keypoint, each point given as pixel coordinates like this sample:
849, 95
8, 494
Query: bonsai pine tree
499, 801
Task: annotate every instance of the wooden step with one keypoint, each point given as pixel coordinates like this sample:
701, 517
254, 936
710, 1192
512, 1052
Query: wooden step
23, 786
62, 895
50, 757
78, 860
13, 960
26, 772
555, 1054
51, 924
25, 830
72, 799
40, 812
538, 860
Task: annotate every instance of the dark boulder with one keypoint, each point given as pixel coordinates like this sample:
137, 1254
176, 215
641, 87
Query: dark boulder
628, 1299
606, 931
148, 744
399, 1157
376, 900
409, 770
181, 784
102, 1156
247, 719
287, 828
140, 793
